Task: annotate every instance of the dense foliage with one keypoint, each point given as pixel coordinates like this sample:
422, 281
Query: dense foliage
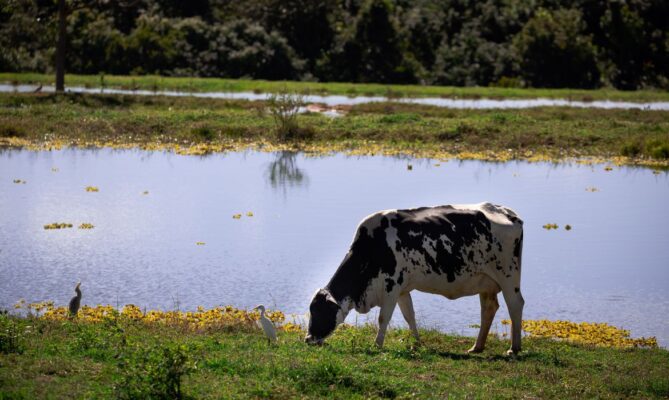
539, 43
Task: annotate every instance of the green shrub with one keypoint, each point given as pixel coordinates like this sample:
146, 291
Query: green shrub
507, 82
630, 149
284, 108
657, 149
204, 133
11, 335
155, 372
554, 50
399, 118
11, 131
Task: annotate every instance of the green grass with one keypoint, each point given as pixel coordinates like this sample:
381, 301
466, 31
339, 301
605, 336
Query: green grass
77, 360
154, 83
556, 132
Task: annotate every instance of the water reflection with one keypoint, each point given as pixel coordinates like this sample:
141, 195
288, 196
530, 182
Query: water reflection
283, 172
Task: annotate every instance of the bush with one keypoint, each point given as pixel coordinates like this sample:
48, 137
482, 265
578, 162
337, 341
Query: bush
284, 108
399, 118
204, 133
371, 49
630, 149
553, 51
153, 373
11, 131
11, 335
658, 150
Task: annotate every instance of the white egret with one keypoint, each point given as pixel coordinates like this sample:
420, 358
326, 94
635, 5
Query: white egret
76, 301
266, 324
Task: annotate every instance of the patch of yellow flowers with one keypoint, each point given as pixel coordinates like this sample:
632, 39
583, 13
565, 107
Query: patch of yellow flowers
355, 148
58, 225
200, 320
598, 334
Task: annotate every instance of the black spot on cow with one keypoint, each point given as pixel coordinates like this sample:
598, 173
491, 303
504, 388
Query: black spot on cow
517, 290
389, 285
368, 256
400, 279
461, 227
518, 246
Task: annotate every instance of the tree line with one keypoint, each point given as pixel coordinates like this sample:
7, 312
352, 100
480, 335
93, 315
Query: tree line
536, 43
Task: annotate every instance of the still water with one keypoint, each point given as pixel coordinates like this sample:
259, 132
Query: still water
613, 266
337, 100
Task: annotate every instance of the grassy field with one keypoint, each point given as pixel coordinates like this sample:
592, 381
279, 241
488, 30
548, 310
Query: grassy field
122, 358
156, 83
197, 126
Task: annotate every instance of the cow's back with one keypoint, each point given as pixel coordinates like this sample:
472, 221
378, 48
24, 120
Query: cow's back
436, 249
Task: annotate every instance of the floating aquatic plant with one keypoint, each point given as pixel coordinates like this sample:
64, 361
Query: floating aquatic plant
199, 243
58, 225
409, 167
608, 168
54, 169
92, 189
550, 226
567, 227
19, 181
249, 214
86, 225
145, 192
222, 317
237, 216
591, 189
598, 334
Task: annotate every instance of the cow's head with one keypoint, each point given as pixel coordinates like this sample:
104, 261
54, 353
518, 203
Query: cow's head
325, 315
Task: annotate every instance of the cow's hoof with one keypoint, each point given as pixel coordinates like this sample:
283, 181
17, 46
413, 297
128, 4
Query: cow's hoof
475, 350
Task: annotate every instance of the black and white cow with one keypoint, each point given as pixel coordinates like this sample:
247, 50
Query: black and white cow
452, 250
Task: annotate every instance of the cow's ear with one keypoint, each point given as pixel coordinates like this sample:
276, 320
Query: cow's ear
329, 298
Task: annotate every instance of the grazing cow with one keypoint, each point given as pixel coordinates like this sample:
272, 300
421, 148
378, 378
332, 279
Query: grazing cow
454, 251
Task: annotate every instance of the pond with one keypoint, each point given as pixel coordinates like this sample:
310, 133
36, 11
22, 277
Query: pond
338, 100
153, 207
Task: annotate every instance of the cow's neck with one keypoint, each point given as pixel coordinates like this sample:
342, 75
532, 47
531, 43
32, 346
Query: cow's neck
345, 305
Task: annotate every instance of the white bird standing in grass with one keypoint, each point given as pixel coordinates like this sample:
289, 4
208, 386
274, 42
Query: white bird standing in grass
266, 324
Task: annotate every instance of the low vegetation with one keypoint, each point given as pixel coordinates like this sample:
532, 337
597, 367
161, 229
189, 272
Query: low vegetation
199, 126
134, 354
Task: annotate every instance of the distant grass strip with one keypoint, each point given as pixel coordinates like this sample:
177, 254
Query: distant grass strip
122, 357
185, 84
200, 126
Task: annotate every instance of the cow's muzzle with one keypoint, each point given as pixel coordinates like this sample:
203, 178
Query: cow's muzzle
313, 341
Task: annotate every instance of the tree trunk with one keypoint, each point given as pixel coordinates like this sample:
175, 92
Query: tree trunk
60, 47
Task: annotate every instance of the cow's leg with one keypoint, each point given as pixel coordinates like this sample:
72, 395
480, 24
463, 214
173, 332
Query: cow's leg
406, 306
385, 314
489, 306
514, 302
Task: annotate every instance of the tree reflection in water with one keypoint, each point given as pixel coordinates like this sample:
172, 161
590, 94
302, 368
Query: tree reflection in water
283, 172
